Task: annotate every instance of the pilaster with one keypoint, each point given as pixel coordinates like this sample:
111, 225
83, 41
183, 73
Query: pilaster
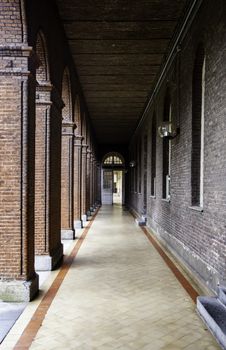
19, 282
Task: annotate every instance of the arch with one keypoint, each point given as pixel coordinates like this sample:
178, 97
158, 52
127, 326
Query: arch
198, 95
66, 96
77, 116
42, 72
113, 159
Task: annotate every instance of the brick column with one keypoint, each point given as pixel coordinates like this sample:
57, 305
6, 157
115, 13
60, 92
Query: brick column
95, 185
67, 181
77, 181
88, 175
98, 183
19, 281
48, 248
84, 183
91, 183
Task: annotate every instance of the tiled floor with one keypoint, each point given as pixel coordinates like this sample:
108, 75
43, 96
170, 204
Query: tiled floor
120, 294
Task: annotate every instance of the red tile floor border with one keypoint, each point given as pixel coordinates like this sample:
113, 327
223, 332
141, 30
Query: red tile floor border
179, 275
35, 323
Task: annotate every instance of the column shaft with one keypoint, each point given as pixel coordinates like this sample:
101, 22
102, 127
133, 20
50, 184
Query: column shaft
77, 181
67, 181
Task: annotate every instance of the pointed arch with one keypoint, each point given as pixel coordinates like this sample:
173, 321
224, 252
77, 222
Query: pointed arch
42, 72
66, 96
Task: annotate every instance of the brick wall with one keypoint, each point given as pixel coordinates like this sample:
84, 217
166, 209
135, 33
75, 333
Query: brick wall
196, 237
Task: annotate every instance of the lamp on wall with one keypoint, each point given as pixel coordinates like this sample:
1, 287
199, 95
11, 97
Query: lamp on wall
167, 130
132, 164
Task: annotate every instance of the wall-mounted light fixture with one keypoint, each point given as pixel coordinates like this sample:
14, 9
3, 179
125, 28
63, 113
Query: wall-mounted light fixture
132, 164
168, 131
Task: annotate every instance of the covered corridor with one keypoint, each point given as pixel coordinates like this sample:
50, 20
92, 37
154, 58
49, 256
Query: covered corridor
118, 293
119, 103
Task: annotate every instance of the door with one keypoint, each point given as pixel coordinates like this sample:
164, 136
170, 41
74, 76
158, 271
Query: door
107, 186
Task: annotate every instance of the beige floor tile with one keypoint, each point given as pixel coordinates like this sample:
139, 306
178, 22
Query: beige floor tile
119, 294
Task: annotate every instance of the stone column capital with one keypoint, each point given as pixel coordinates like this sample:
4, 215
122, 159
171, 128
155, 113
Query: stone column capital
43, 93
68, 128
78, 140
79, 137
84, 148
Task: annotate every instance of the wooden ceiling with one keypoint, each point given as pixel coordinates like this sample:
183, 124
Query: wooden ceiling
118, 47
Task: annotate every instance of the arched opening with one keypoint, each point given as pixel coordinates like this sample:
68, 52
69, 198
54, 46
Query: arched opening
42, 154
112, 179
67, 161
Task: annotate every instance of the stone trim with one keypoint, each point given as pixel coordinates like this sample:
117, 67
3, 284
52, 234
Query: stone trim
19, 290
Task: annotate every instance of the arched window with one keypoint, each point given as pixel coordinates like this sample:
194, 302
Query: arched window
113, 160
153, 156
198, 97
166, 156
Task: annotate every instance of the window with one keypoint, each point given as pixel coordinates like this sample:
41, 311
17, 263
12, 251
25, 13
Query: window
153, 156
113, 160
107, 180
166, 166
198, 97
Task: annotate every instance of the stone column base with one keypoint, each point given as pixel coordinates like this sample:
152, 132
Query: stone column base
78, 224
68, 234
19, 290
84, 219
47, 262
